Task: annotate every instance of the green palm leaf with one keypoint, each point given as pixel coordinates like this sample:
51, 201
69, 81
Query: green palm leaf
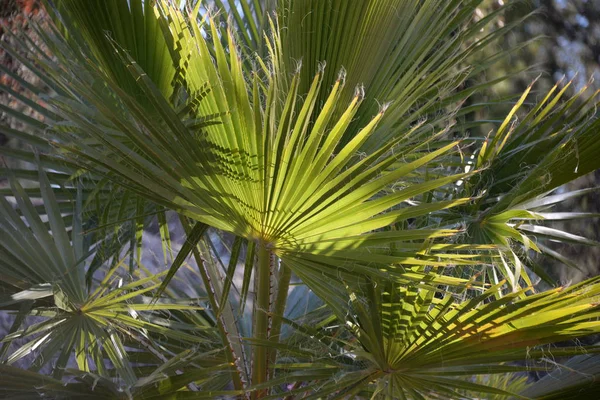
415, 343
46, 261
289, 200
400, 51
523, 162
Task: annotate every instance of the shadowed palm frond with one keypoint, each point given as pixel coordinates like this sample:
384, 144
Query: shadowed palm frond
43, 268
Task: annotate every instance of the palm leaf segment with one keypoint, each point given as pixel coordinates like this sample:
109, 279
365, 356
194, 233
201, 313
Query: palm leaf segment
116, 215
277, 174
578, 378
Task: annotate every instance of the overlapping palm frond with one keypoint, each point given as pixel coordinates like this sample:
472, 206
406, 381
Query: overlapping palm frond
523, 162
116, 217
414, 55
43, 269
135, 26
294, 199
412, 343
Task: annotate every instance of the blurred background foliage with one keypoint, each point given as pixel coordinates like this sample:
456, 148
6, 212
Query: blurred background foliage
559, 41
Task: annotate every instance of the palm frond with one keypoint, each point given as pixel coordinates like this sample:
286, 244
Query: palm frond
523, 162
291, 198
413, 342
413, 55
575, 379
46, 264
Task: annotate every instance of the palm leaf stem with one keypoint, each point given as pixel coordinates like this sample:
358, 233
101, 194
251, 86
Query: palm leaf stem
224, 328
261, 317
283, 285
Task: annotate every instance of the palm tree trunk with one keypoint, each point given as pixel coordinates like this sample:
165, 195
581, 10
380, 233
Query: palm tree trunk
283, 285
261, 319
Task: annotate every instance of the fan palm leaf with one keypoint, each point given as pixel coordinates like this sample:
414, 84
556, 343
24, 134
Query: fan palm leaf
414, 343
290, 200
414, 55
44, 260
526, 160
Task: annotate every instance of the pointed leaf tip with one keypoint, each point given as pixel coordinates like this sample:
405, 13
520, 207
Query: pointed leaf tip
321, 67
359, 92
341, 75
383, 108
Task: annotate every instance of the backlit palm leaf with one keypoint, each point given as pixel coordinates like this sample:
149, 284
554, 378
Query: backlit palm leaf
414, 344
524, 161
258, 173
